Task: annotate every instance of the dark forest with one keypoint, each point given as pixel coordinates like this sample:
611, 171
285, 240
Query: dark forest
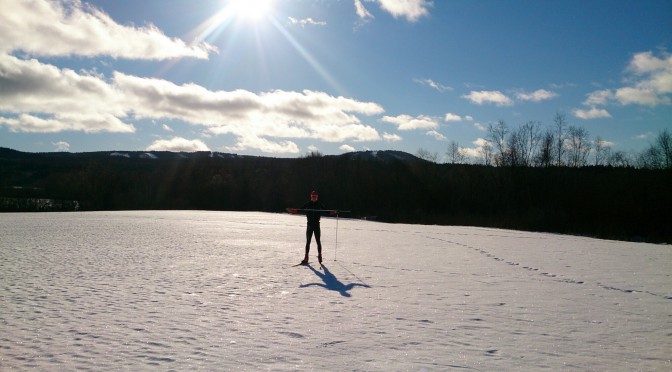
600, 201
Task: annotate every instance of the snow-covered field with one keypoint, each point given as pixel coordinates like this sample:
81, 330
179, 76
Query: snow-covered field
195, 290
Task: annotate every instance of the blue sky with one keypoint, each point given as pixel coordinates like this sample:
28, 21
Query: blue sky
284, 77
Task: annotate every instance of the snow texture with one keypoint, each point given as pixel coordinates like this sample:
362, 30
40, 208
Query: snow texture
195, 290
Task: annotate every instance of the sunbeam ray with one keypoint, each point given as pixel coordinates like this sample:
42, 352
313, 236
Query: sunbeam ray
324, 74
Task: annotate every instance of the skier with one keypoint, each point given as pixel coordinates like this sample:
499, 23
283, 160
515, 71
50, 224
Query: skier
313, 210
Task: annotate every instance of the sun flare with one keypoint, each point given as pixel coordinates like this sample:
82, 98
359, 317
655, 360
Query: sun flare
252, 10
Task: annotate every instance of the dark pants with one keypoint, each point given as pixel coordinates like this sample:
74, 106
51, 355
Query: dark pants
310, 230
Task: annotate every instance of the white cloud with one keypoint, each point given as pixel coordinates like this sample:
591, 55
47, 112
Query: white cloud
605, 143
650, 83
481, 142
61, 146
307, 114
306, 21
482, 97
593, 113
645, 136
436, 135
362, 12
599, 97
70, 27
346, 148
391, 137
44, 98
412, 10
646, 63
178, 144
642, 94
477, 151
253, 117
471, 152
48, 99
500, 99
432, 84
480, 127
537, 96
167, 128
63, 122
450, 117
406, 122
253, 142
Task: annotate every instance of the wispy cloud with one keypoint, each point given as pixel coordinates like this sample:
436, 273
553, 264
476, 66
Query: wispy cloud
306, 21
66, 28
488, 97
536, 96
361, 11
61, 146
178, 144
411, 10
391, 137
406, 122
450, 117
431, 83
599, 97
438, 136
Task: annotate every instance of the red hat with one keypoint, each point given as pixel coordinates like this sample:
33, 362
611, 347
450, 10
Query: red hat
314, 193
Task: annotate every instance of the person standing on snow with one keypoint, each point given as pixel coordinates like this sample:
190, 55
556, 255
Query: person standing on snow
313, 210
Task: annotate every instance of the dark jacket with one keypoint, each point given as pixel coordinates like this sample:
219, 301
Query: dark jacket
314, 215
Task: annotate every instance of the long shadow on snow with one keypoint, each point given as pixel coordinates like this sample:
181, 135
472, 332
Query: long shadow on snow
332, 283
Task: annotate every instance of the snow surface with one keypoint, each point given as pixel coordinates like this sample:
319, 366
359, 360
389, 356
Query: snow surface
195, 290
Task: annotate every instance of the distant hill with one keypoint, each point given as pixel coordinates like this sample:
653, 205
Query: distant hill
383, 155
391, 186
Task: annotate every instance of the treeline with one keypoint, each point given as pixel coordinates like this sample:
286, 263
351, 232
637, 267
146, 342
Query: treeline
561, 145
609, 202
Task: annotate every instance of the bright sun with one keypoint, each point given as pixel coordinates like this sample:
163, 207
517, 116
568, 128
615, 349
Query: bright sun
252, 10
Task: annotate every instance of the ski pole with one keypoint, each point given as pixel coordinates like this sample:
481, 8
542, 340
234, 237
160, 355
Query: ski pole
336, 248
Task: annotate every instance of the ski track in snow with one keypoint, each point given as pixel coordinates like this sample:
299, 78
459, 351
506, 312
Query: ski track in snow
194, 290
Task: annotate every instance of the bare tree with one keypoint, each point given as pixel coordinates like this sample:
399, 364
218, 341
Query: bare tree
619, 159
454, 153
651, 158
578, 146
427, 155
511, 156
659, 154
529, 136
546, 149
497, 136
560, 123
602, 151
664, 144
487, 153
